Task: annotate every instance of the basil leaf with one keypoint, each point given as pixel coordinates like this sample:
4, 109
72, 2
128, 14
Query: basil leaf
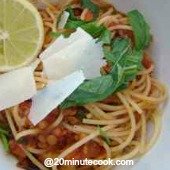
125, 65
90, 27
93, 29
141, 29
105, 37
74, 24
98, 88
91, 6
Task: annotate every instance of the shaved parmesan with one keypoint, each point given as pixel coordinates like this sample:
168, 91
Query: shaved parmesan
66, 55
84, 54
16, 86
63, 20
54, 94
60, 43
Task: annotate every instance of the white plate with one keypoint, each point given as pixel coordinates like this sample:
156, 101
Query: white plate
157, 13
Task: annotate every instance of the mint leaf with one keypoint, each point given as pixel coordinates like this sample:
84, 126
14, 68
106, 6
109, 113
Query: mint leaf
93, 29
74, 24
106, 37
91, 6
71, 12
90, 91
141, 29
90, 27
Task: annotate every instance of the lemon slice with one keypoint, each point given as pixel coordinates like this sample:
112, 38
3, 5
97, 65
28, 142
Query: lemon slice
21, 33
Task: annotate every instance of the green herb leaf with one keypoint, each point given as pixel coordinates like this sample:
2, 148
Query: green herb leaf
119, 48
90, 27
90, 91
105, 37
91, 6
141, 29
5, 142
74, 24
3, 131
125, 66
93, 29
55, 34
104, 136
71, 12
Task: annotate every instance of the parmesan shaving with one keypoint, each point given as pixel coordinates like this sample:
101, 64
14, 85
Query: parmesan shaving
63, 20
60, 43
84, 54
53, 95
16, 87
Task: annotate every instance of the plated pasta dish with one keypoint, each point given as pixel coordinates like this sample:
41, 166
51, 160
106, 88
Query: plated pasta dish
76, 82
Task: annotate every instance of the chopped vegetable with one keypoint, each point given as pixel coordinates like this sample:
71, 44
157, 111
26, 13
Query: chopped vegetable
141, 29
91, 6
104, 136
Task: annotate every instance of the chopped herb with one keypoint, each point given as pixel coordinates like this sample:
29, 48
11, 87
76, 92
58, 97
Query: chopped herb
141, 29
104, 136
91, 6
